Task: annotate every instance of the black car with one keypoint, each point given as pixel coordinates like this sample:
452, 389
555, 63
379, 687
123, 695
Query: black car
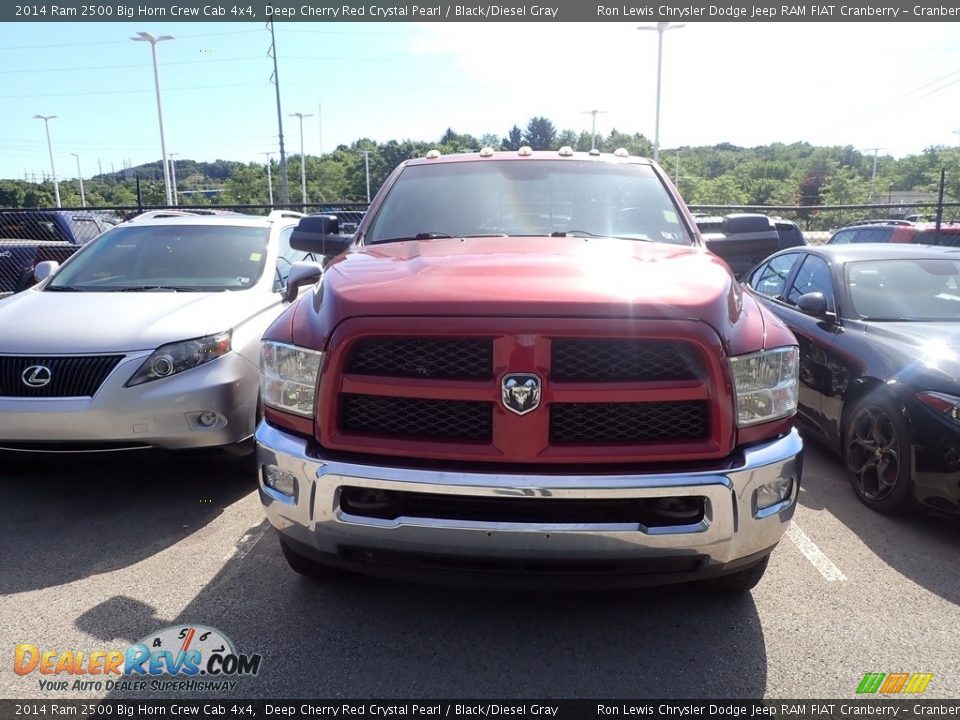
879, 333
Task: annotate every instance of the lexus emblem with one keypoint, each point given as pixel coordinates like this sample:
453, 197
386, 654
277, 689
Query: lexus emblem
36, 376
520, 392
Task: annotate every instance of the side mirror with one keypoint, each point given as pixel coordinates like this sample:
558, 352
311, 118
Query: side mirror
813, 304
45, 269
319, 234
301, 273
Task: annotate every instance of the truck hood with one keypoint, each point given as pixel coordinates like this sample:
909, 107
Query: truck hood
533, 276
39, 323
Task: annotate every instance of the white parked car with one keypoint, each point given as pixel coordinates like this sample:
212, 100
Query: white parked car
147, 337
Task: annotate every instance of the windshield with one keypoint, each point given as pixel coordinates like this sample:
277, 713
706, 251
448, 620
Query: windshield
918, 289
168, 257
528, 197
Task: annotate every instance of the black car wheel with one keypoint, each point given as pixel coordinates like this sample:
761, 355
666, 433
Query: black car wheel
877, 451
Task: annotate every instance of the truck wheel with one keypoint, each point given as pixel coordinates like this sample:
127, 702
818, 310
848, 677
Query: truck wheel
307, 567
877, 450
742, 581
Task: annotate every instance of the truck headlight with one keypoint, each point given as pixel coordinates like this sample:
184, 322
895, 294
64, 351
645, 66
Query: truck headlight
288, 377
766, 385
174, 358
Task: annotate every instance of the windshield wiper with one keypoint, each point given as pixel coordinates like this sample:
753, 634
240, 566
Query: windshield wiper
588, 234
419, 236
149, 288
63, 288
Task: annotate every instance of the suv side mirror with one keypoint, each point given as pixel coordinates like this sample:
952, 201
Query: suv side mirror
301, 273
319, 234
813, 304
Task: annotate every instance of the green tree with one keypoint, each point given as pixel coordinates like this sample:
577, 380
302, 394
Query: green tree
513, 140
540, 134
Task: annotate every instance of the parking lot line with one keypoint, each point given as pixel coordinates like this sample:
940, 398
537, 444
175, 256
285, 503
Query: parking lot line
814, 554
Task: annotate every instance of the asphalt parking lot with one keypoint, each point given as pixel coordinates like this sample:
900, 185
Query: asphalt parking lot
97, 553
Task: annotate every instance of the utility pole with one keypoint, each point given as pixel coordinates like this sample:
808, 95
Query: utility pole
153, 40
269, 176
320, 127
873, 177
284, 183
366, 164
83, 197
593, 127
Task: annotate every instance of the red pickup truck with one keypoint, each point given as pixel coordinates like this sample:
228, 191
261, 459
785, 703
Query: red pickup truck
527, 365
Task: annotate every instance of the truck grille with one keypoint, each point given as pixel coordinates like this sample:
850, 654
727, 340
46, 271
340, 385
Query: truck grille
597, 360
602, 390
68, 376
439, 358
410, 417
628, 422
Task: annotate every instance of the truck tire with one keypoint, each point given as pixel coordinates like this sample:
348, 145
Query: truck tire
307, 567
742, 581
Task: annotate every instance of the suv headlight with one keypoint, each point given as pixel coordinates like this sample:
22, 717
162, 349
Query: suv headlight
176, 357
288, 377
766, 385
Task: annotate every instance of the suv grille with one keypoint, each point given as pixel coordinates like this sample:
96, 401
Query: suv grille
440, 358
409, 417
621, 361
69, 376
628, 422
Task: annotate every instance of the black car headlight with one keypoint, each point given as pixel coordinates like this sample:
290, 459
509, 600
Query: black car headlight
176, 357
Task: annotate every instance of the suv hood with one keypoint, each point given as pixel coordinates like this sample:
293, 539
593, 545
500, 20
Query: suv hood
533, 276
37, 322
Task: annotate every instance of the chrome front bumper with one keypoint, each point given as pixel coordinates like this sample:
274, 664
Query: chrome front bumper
732, 533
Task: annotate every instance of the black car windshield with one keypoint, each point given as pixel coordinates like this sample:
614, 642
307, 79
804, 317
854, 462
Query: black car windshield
518, 197
905, 289
168, 257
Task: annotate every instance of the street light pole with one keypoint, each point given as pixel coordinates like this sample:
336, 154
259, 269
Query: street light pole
660, 28
53, 171
173, 175
83, 197
303, 158
153, 40
269, 176
593, 127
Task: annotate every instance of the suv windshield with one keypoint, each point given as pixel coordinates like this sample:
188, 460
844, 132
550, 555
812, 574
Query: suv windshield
528, 197
168, 257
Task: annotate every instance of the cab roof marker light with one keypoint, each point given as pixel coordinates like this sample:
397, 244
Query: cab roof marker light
566, 151
621, 153
486, 152
525, 151
433, 155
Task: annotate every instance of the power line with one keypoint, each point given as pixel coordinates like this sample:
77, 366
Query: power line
117, 42
901, 100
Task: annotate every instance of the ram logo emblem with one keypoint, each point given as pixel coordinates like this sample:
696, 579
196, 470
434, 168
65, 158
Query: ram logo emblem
520, 392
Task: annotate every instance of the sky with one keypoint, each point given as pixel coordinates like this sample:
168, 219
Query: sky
893, 86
